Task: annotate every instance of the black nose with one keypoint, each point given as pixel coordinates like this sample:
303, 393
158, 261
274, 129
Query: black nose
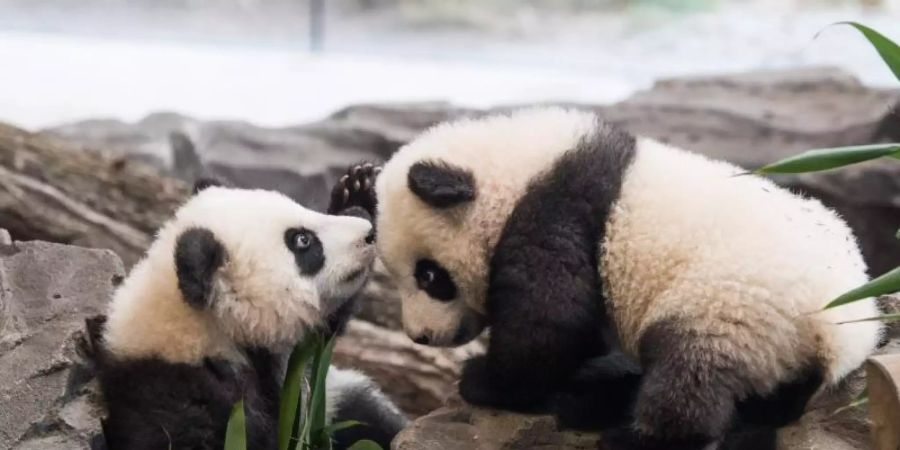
370, 238
422, 339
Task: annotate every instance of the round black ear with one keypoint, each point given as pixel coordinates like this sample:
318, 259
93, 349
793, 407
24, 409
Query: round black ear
205, 182
441, 185
197, 257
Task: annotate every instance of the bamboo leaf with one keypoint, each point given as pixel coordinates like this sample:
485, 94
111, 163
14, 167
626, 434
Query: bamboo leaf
889, 51
236, 432
861, 400
882, 318
317, 394
885, 284
338, 426
290, 408
831, 158
365, 444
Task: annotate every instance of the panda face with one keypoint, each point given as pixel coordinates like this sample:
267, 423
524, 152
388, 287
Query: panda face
284, 268
442, 203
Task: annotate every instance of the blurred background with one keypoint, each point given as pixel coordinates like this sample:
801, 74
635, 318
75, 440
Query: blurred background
278, 62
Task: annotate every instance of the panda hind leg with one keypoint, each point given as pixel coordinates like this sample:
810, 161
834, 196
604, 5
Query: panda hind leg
687, 396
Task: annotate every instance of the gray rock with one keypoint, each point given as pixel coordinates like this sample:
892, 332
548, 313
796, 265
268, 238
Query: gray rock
5, 238
462, 427
47, 398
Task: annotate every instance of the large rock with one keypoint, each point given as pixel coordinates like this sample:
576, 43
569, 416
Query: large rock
47, 398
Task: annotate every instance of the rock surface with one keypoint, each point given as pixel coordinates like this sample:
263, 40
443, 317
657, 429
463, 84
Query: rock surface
47, 398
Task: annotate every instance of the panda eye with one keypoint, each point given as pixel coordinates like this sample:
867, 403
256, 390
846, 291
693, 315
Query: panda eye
302, 240
434, 280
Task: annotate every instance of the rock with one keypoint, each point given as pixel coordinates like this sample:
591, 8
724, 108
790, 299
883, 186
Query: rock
418, 378
5, 238
47, 397
827, 424
463, 427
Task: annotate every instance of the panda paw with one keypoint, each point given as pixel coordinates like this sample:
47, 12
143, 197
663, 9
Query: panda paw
355, 190
627, 438
477, 387
474, 385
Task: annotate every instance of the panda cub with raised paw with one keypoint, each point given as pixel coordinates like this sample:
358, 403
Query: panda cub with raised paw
230, 284
570, 238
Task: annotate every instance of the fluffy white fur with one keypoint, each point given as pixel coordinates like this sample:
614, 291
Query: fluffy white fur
687, 239
735, 258
261, 298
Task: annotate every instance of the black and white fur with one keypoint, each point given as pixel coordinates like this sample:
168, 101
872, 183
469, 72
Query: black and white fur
570, 238
231, 282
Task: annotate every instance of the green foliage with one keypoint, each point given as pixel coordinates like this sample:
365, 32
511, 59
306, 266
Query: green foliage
365, 444
889, 51
301, 419
831, 158
236, 433
883, 285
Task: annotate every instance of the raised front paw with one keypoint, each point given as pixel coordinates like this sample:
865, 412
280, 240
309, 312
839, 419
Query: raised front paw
355, 190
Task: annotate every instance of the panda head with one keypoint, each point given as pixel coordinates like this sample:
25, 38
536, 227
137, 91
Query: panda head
442, 202
250, 268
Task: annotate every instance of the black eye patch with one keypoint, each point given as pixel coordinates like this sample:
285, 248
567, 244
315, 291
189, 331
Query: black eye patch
307, 249
434, 280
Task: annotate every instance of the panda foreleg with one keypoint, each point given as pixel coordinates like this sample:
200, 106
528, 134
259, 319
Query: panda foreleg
354, 193
687, 395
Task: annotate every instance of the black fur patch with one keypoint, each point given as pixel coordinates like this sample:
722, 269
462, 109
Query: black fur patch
379, 423
310, 260
440, 184
153, 404
197, 257
688, 396
206, 182
600, 394
545, 301
432, 278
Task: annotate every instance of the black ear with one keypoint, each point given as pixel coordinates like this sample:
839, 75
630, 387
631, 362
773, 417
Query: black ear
205, 182
441, 185
197, 257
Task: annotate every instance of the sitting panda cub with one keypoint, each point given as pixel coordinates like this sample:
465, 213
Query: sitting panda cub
230, 284
570, 238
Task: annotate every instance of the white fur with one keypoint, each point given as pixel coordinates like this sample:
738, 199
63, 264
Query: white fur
261, 298
736, 257
504, 154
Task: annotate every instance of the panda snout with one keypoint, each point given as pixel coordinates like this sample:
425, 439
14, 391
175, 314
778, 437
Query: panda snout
370, 237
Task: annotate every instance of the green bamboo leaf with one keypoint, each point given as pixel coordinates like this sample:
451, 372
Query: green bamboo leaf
236, 432
338, 426
898, 234
882, 318
365, 444
831, 158
290, 408
889, 51
317, 395
883, 285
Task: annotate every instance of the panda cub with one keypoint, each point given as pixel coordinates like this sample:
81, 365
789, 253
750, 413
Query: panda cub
230, 284
570, 238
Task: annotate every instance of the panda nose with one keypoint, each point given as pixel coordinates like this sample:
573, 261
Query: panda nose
422, 339
370, 238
